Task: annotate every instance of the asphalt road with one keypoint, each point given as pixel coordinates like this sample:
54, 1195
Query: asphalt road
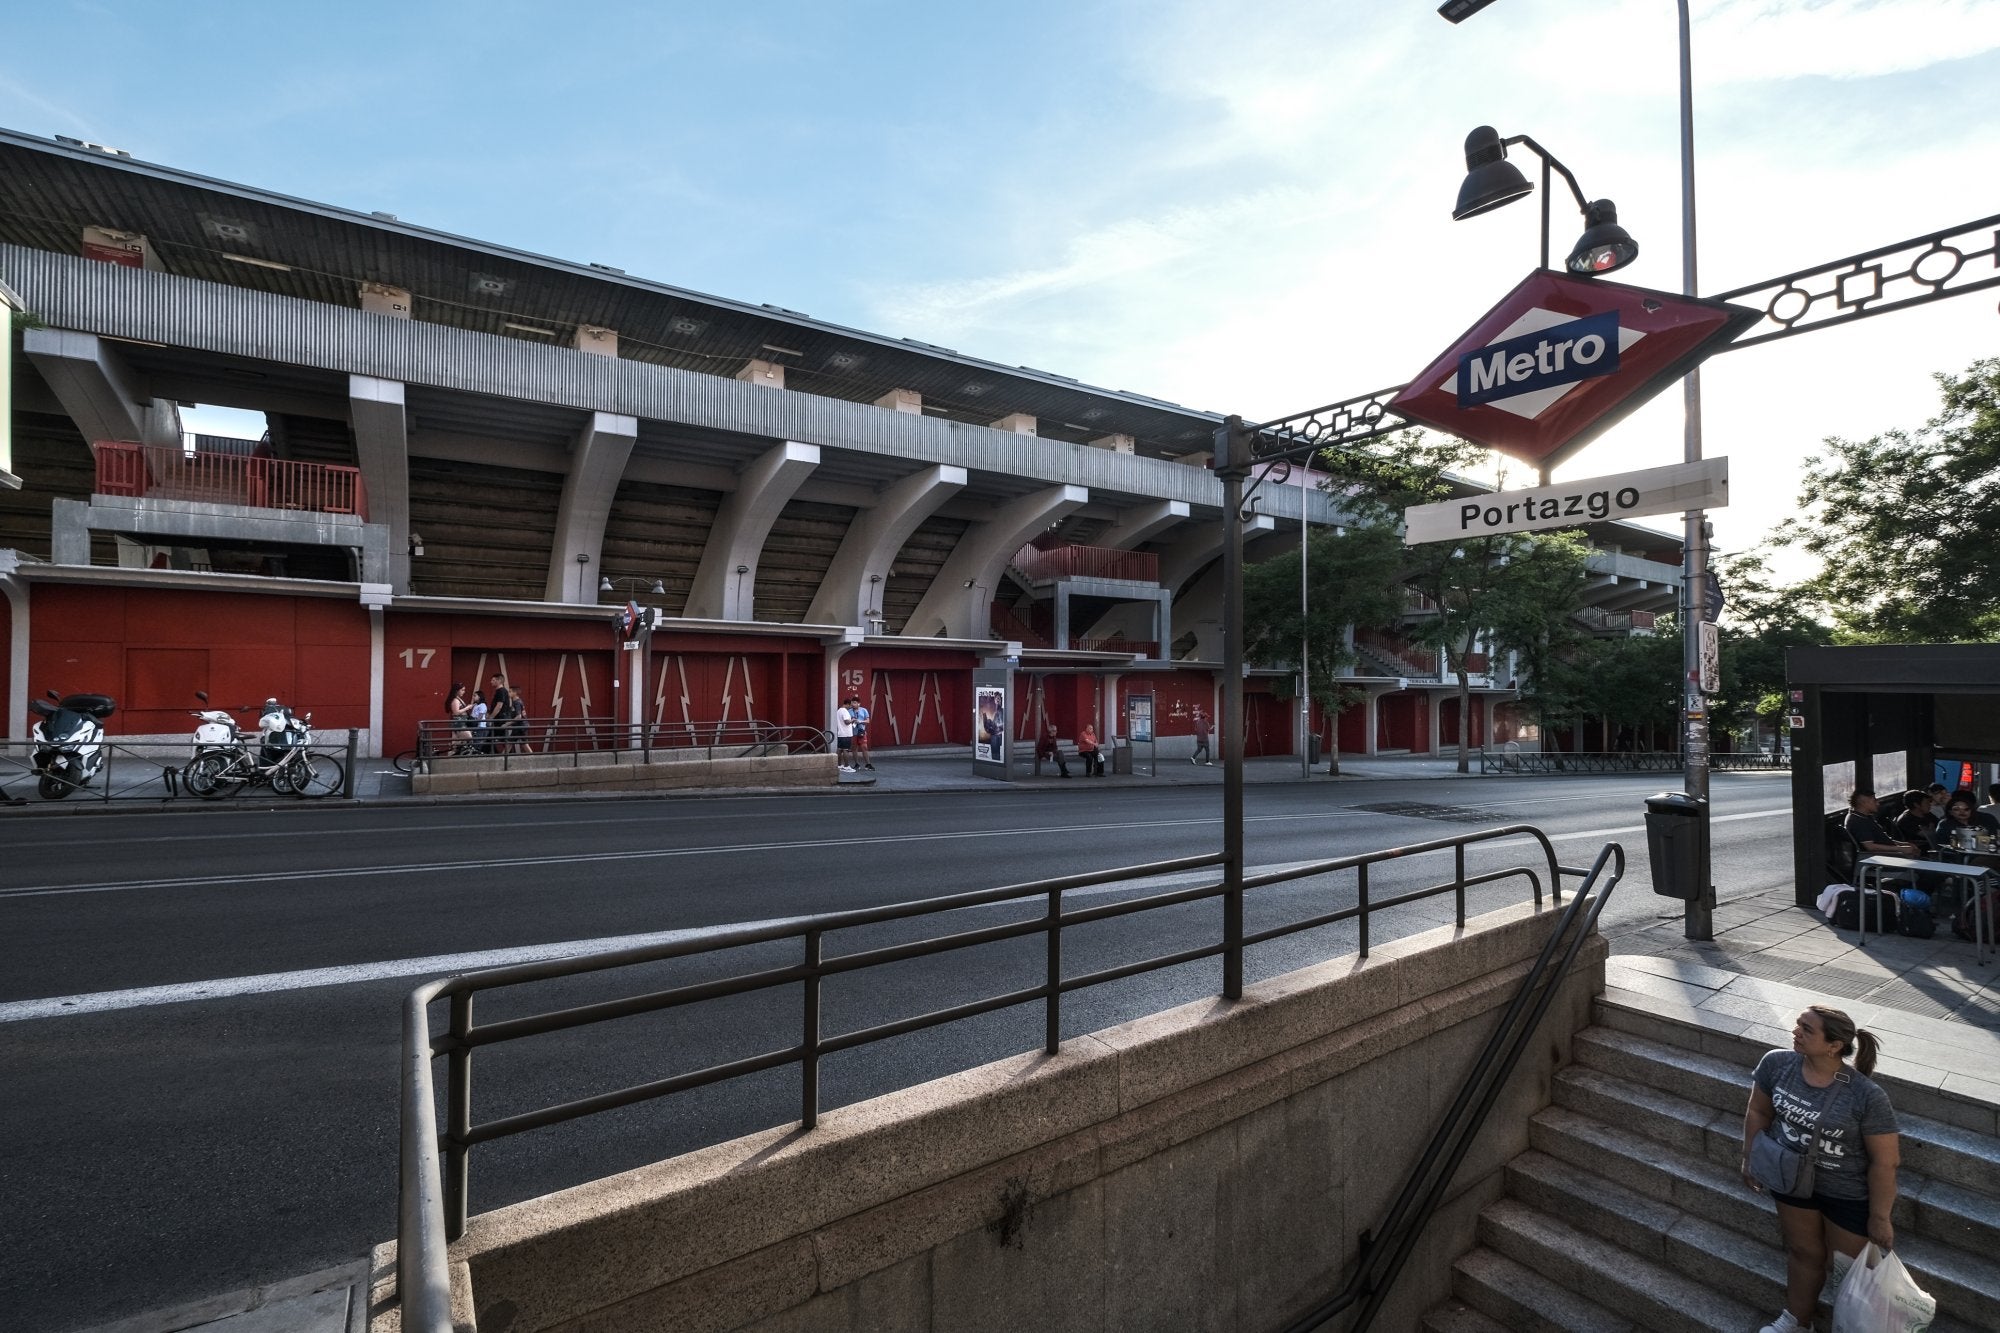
199, 1012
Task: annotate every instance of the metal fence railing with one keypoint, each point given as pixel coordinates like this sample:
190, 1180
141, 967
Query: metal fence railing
136, 770
1514, 760
436, 1168
171, 473
519, 738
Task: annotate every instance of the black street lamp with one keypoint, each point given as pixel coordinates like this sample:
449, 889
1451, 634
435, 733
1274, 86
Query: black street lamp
1491, 182
654, 587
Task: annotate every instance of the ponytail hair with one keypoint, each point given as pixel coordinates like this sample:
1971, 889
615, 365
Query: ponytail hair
1853, 1040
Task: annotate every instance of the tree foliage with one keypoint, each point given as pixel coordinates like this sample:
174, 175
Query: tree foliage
1351, 579
1908, 524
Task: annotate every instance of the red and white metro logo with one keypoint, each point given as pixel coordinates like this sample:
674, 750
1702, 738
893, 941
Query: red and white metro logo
1561, 359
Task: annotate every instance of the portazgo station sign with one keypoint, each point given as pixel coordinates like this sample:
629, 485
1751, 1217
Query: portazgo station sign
1561, 359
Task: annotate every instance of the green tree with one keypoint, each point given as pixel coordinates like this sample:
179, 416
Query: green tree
1905, 523
1761, 620
1351, 579
1514, 593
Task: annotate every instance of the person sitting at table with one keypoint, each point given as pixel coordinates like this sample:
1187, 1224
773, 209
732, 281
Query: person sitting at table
1914, 825
1862, 825
1962, 812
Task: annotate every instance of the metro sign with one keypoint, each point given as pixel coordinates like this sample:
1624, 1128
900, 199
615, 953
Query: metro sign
1562, 359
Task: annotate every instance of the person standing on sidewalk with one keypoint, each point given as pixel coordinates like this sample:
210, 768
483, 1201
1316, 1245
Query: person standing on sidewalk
1201, 734
1814, 1104
843, 738
859, 711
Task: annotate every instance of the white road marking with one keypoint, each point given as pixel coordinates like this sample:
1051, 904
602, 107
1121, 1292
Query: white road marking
19, 1011
640, 854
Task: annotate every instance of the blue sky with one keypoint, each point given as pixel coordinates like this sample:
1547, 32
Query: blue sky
1242, 207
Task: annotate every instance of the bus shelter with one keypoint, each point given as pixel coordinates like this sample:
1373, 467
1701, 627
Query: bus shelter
1884, 718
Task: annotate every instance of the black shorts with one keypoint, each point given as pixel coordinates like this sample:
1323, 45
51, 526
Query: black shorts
843, 742
1849, 1215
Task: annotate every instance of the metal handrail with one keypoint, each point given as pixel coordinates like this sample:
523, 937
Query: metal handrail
435, 1191
1620, 761
147, 770
445, 739
1388, 1247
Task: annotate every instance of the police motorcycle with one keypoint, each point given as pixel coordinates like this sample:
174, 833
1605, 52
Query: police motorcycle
68, 741
226, 763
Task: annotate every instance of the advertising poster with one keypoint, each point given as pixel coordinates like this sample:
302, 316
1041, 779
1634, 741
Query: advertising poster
1139, 717
989, 723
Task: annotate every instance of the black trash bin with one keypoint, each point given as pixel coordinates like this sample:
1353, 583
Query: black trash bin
1312, 748
1677, 844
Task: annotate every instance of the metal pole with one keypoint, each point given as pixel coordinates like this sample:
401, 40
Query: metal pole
1699, 920
1305, 638
1232, 448
1545, 208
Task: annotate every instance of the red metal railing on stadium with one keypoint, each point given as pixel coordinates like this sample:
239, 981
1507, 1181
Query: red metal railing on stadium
167, 473
1087, 562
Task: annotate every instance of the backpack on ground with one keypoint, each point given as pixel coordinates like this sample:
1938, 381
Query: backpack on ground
1847, 911
1917, 920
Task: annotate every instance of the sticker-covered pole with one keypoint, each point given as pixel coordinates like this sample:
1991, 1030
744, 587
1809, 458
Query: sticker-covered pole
1699, 918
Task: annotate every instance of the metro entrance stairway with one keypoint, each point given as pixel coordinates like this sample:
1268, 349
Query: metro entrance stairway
1627, 1212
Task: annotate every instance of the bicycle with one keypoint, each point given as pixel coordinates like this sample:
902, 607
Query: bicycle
233, 769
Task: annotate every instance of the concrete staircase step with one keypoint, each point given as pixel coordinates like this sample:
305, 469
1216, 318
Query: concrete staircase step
1714, 1082
1925, 1205
1519, 1298
1700, 1218
1458, 1317
1655, 1296
1930, 1147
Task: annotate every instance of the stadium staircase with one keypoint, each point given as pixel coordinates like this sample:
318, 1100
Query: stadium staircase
1627, 1212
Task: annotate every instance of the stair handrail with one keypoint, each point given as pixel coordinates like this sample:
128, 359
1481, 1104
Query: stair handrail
1400, 1231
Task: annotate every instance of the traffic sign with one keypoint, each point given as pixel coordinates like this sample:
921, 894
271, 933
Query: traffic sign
1570, 504
1561, 359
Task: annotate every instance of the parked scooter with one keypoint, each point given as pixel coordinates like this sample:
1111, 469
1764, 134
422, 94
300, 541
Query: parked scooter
225, 764
69, 741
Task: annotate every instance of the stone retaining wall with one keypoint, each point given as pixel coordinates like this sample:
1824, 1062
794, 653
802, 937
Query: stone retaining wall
625, 770
1205, 1168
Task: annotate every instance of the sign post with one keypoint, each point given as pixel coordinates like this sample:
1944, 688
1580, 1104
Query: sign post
1554, 365
1659, 490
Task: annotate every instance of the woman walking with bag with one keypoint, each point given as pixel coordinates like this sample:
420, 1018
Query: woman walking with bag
1820, 1138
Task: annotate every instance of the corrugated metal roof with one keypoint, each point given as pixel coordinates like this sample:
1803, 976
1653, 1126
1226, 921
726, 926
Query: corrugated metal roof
49, 192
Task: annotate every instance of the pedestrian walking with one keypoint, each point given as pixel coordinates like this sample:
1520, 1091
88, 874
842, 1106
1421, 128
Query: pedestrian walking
859, 712
1820, 1137
1201, 734
1086, 750
843, 738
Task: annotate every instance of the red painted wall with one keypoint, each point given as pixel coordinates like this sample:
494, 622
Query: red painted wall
152, 650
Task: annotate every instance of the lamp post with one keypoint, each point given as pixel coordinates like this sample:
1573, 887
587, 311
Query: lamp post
1694, 542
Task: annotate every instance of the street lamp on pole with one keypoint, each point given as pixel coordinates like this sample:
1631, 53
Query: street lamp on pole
1694, 543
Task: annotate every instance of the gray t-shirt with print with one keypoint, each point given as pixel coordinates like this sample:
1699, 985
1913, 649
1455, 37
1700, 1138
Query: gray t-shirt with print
1842, 1172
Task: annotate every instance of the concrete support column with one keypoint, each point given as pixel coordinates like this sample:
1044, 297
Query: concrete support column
1372, 712
857, 576
725, 583
1061, 632
959, 597
1143, 523
382, 449
596, 463
1018, 423
902, 400
15, 590
377, 679
1436, 702
98, 390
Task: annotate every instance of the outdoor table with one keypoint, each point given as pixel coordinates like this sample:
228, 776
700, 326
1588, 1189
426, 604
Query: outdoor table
1868, 874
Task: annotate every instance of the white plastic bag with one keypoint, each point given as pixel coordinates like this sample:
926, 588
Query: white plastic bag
1879, 1296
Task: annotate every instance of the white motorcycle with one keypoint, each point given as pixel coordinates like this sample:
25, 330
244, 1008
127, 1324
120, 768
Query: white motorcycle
69, 741
225, 763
